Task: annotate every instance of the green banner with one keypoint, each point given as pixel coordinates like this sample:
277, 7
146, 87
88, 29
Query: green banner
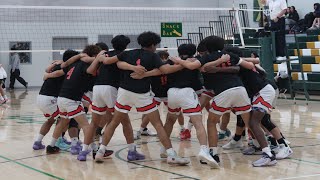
171, 29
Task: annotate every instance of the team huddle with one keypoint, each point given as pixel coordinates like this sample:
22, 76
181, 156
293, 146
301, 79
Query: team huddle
217, 79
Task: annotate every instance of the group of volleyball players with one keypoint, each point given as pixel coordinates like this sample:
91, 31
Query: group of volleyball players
112, 82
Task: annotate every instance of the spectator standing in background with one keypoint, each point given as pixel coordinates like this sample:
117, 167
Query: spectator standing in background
278, 9
15, 70
292, 19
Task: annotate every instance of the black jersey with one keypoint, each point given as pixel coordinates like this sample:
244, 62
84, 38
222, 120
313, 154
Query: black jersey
109, 74
147, 59
159, 85
76, 81
184, 78
253, 81
219, 82
52, 86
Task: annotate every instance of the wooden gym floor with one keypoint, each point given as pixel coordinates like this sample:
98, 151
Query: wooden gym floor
20, 121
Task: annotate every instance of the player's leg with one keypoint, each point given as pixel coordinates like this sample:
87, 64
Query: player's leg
224, 131
236, 142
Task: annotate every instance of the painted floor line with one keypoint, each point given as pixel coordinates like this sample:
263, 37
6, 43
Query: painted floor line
298, 177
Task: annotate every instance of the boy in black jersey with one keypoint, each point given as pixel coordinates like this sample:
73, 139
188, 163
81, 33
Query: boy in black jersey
69, 102
137, 93
228, 88
262, 95
47, 99
182, 95
106, 86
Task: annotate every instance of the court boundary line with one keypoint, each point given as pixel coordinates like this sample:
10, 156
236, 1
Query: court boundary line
117, 155
296, 177
31, 168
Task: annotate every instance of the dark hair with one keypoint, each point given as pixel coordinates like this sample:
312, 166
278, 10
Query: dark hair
293, 7
147, 39
202, 47
103, 46
214, 43
120, 42
256, 55
69, 54
187, 50
163, 54
234, 50
317, 6
92, 50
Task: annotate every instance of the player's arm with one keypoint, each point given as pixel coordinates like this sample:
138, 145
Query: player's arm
253, 60
168, 69
154, 72
126, 66
223, 59
246, 64
92, 69
191, 63
54, 74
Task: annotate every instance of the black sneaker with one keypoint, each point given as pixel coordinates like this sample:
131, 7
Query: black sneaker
52, 150
215, 157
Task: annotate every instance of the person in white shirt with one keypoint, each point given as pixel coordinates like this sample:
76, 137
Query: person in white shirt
277, 11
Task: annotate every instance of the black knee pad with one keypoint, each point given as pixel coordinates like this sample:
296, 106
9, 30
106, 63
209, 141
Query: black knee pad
73, 123
266, 122
240, 122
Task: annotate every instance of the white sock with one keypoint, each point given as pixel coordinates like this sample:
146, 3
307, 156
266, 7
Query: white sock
141, 129
190, 125
102, 148
85, 147
204, 148
5, 97
74, 141
214, 150
171, 152
100, 140
94, 147
53, 142
222, 131
132, 147
1, 98
162, 150
39, 137
267, 150
255, 143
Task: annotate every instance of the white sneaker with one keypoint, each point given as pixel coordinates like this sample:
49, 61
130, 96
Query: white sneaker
284, 152
204, 156
137, 135
233, 144
147, 132
99, 157
281, 58
176, 160
163, 153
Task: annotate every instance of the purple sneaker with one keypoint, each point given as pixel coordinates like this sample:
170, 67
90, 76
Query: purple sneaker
83, 155
38, 145
134, 155
66, 141
75, 150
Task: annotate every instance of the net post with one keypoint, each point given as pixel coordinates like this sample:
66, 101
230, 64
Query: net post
239, 27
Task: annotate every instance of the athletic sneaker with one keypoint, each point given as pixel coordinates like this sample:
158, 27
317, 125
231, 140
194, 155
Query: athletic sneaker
99, 156
137, 135
185, 135
38, 145
83, 155
61, 144
147, 132
106, 154
265, 160
275, 148
284, 152
75, 150
214, 156
66, 141
135, 155
3, 101
226, 135
233, 144
206, 158
176, 160
252, 150
52, 150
